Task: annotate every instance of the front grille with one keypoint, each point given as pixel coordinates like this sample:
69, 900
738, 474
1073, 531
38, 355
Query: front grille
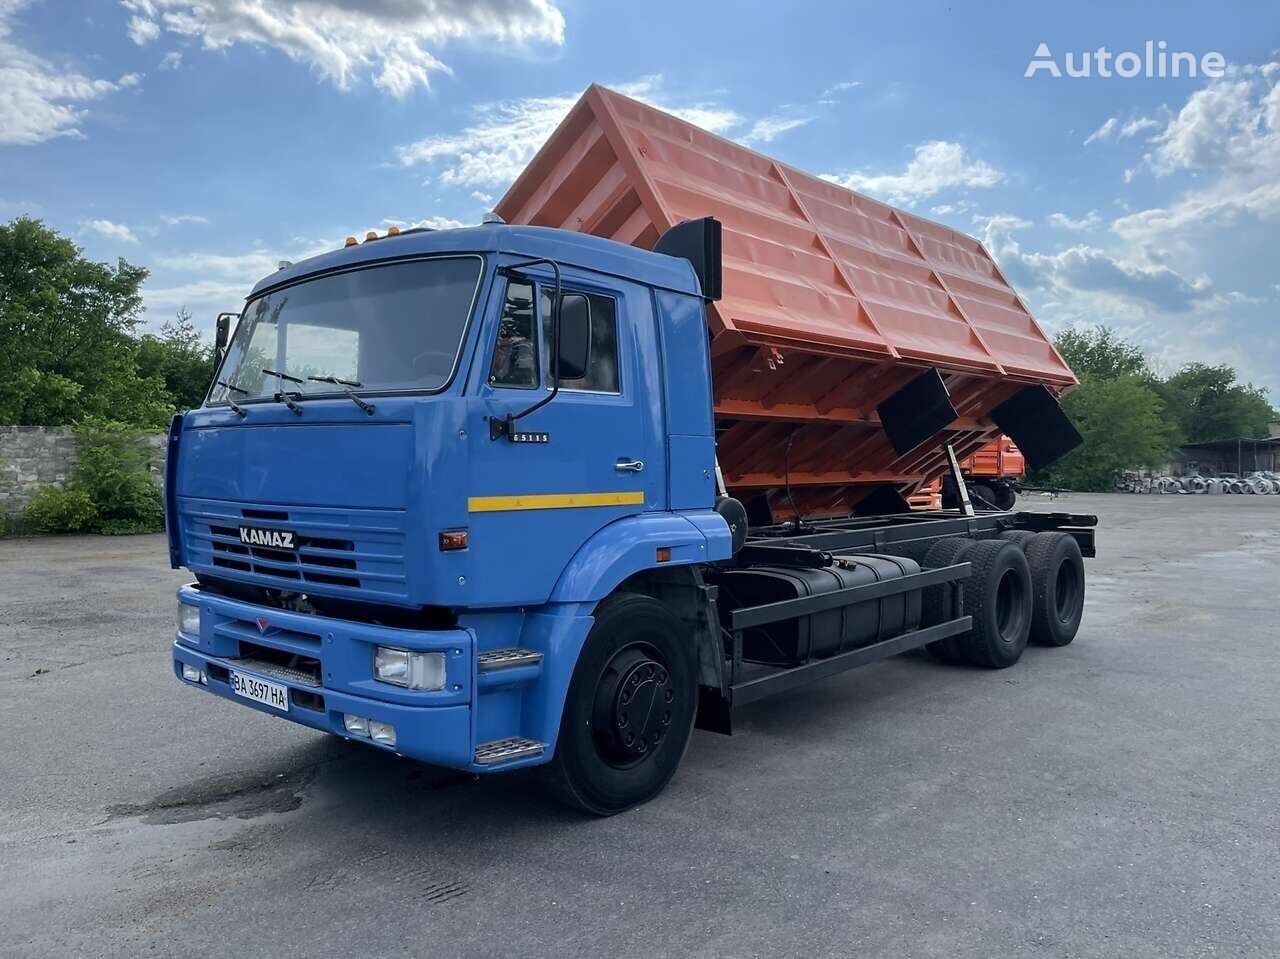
344, 552
230, 553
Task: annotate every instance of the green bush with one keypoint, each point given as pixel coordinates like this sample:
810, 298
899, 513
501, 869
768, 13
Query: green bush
114, 470
110, 491
57, 510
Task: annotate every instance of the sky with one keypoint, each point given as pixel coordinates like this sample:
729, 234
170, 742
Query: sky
209, 139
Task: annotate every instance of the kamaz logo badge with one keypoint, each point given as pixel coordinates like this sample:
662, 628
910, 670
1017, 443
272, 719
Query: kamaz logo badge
275, 538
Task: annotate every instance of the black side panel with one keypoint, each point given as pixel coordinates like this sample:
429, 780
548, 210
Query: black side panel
917, 411
171, 524
1034, 420
697, 241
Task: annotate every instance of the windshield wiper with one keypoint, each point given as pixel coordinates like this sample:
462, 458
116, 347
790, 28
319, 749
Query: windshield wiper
283, 397
283, 376
345, 386
235, 407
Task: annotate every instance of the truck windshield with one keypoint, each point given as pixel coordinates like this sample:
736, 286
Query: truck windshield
391, 328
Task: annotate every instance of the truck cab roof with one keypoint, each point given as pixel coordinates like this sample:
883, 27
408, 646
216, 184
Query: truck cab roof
563, 246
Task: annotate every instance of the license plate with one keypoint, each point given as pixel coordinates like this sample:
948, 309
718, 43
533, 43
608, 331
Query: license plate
261, 691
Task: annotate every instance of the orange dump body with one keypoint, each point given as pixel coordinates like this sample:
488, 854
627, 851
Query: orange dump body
832, 301
1000, 458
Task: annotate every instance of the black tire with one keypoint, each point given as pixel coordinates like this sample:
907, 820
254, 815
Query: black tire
982, 497
998, 597
917, 551
1019, 536
933, 603
1005, 496
637, 654
1057, 588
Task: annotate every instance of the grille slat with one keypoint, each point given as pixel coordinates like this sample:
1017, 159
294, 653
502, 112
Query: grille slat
348, 551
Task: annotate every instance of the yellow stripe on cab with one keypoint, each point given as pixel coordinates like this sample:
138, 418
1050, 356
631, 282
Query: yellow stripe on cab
498, 504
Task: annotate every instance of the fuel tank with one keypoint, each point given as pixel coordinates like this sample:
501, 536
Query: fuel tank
819, 635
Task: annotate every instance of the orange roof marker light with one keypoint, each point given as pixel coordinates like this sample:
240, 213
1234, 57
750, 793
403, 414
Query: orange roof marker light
371, 235
350, 241
393, 231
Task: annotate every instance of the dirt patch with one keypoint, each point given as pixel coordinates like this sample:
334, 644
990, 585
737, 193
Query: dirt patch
230, 796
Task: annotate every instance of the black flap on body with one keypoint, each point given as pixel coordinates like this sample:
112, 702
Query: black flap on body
917, 411
1034, 419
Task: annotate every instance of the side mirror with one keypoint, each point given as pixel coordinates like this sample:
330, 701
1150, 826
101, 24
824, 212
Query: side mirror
575, 336
222, 333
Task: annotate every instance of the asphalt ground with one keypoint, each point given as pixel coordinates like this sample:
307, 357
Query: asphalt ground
1118, 797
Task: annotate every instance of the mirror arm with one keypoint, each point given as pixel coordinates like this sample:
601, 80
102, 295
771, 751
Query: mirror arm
507, 427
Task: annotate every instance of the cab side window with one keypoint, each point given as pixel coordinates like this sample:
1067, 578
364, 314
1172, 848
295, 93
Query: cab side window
601, 373
515, 356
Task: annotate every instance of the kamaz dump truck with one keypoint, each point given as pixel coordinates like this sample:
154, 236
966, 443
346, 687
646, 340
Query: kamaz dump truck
556, 490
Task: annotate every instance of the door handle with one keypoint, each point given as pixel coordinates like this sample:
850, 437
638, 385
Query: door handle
629, 466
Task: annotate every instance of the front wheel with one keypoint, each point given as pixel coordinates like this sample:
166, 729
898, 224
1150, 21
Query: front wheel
630, 708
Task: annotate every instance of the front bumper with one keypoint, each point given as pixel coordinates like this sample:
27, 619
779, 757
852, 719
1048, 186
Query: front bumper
435, 727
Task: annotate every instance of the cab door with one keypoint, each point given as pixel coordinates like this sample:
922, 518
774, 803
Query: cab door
593, 455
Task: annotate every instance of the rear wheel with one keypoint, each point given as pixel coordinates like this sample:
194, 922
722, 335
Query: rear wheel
1005, 496
934, 608
983, 497
1019, 536
998, 597
1057, 588
630, 707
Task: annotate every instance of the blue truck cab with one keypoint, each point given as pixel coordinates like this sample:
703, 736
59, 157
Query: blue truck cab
382, 553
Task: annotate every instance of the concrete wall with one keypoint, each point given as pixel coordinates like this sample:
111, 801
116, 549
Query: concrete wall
35, 456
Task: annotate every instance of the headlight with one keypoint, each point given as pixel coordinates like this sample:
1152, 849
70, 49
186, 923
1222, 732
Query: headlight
400, 667
355, 725
189, 619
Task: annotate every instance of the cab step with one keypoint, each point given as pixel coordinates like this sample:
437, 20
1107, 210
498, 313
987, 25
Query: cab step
506, 750
496, 659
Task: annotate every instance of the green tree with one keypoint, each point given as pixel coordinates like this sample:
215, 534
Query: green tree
66, 325
1207, 403
1099, 353
179, 357
1123, 425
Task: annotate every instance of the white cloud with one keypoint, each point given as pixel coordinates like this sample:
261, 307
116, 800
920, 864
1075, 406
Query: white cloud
38, 100
171, 60
205, 298
1089, 221
1113, 129
1104, 132
1134, 127
1229, 133
112, 231
480, 197
499, 144
182, 218
142, 31
389, 41
429, 223
1082, 270
837, 88
768, 129
248, 267
936, 166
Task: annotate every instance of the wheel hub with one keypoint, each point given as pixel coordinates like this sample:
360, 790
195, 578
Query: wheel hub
634, 704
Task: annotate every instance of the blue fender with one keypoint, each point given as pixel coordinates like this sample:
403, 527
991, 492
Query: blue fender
630, 545
559, 628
